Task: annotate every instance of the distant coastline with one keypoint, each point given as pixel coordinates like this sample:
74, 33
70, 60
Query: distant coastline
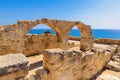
97, 33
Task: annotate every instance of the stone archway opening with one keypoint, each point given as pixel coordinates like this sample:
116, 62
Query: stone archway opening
74, 32
74, 37
86, 39
39, 38
41, 29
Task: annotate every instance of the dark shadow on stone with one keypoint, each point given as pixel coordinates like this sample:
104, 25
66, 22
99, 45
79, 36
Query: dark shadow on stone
98, 74
35, 65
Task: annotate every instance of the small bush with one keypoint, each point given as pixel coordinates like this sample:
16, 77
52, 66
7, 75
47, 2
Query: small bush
47, 32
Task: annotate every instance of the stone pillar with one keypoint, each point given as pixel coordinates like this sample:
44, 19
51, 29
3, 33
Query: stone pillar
86, 41
64, 42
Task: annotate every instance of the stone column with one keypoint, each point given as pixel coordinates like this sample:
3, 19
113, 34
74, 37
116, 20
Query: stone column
86, 41
64, 42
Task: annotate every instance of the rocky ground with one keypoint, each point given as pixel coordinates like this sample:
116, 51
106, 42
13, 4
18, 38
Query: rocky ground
110, 72
35, 63
109, 75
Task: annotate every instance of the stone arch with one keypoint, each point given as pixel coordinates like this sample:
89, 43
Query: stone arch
74, 33
77, 31
81, 28
56, 30
26, 26
58, 33
86, 39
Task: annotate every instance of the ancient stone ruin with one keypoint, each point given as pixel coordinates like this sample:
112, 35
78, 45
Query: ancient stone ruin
61, 60
14, 37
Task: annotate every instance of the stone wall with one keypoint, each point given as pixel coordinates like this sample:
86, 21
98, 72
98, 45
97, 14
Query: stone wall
107, 41
12, 37
74, 64
13, 67
35, 44
100, 40
74, 38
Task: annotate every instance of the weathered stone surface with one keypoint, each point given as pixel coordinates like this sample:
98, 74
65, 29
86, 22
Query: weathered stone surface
17, 75
116, 56
4, 49
37, 43
13, 66
113, 65
100, 40
107, 41
42, 74
74, 64
109, 75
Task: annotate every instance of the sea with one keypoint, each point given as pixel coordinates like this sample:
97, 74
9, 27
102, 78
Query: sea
97, 33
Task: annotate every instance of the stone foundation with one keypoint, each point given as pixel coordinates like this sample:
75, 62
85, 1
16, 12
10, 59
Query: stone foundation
107, 41
35, 44
13, 67
74, 64
100, 40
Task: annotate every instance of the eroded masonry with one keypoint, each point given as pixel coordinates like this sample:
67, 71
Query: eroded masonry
61, 60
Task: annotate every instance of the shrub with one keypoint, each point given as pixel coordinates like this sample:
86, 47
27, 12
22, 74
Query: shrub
47, 32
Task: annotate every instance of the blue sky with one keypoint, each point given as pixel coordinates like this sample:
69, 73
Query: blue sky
100, 14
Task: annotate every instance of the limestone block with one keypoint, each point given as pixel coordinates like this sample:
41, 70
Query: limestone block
109, 75
86, 44
116, 58
13, 66
42, 74
73, 64
53, 58
113, 65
